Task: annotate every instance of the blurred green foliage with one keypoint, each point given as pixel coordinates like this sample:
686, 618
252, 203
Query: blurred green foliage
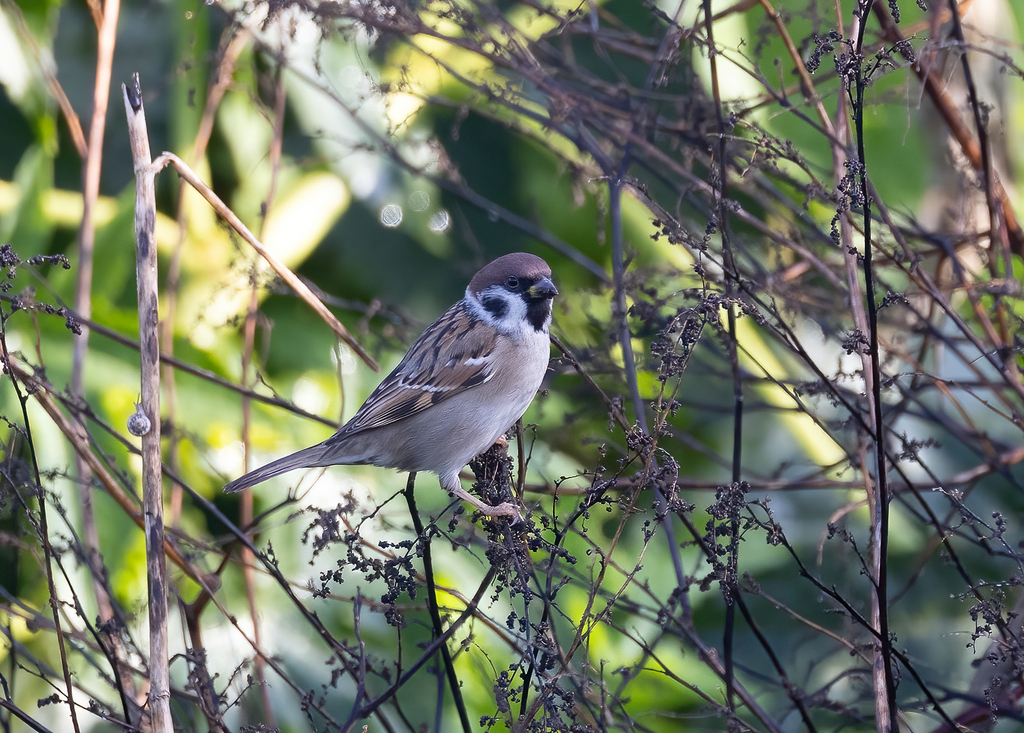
385, 152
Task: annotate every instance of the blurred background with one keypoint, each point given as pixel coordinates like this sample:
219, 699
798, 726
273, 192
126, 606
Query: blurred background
710, 545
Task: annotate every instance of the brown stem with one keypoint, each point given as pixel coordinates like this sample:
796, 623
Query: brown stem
225, 71
246, 509
938, 91
92, 168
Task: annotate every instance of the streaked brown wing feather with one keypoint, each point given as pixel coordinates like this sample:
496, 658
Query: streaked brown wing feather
434, 370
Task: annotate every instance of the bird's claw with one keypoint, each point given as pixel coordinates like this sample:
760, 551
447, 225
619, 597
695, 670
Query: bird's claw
505, 509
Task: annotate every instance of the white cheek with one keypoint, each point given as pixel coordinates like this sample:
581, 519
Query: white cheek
513, 322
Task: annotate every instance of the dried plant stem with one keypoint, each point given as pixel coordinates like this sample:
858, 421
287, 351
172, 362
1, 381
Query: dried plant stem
92, 153
91, 184
938, 91
225, 72
432, 606
246, 505
999, 241
619, 307
47, 69
798, 61
840, 158
149, 353
282, 270
24, 717
730, 582
246, 508
886, 711
44, 537
44, 396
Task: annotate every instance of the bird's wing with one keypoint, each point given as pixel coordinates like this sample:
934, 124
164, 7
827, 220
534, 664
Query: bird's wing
454, 354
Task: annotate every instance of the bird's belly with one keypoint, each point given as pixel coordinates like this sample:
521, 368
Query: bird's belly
453, 434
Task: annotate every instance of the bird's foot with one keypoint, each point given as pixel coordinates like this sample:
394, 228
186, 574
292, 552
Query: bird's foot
505, 509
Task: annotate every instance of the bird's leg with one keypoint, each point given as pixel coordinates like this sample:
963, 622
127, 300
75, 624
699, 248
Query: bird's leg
504, 509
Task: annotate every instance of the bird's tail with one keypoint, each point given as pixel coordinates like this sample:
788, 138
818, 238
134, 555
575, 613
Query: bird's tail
305, 458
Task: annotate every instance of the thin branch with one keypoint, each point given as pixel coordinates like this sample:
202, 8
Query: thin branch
91, 170
282, 270
887, 711
435, 615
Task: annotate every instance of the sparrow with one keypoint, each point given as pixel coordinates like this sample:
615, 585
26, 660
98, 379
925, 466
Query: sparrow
464, 382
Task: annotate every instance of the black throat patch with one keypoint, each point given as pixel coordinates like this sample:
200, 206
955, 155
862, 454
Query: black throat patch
537, 312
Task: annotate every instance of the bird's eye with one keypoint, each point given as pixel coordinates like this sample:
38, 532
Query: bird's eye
512, 282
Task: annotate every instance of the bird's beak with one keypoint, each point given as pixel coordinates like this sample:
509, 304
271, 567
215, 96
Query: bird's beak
542, 289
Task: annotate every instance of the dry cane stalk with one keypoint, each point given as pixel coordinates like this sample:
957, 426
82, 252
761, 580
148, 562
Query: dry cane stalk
149, 341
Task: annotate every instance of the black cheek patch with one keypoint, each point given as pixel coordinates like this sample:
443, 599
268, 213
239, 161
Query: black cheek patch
496, 306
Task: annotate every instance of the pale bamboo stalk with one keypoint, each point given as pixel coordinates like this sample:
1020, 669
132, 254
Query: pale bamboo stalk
149, 341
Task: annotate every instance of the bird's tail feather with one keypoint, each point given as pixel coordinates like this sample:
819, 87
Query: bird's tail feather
305, 458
